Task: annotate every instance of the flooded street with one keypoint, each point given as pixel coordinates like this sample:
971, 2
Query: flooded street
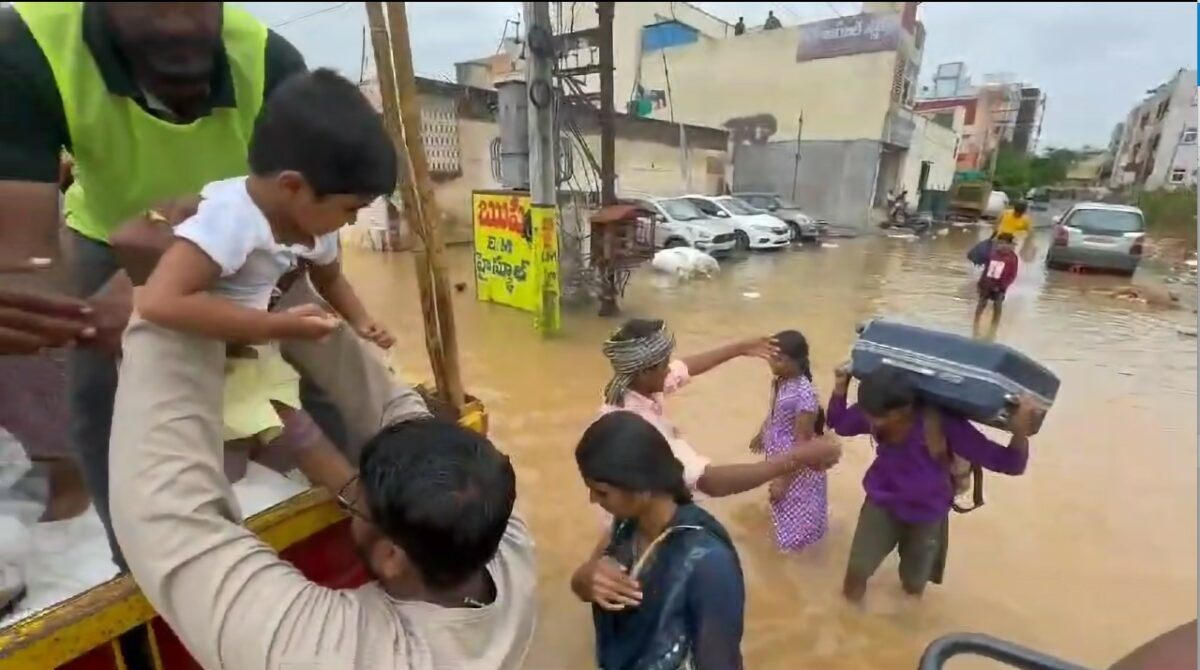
1089, 554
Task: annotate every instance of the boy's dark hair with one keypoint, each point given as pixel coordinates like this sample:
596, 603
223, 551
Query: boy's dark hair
319, 124
440, 491
884, 390
622, 449
1005, 237
636, 329
1019, 207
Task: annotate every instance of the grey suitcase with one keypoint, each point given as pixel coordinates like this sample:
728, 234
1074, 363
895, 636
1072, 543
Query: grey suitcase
979, 380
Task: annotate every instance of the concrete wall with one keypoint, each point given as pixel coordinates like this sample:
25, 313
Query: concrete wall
933, 143
753, 86
836, 179
1153, 166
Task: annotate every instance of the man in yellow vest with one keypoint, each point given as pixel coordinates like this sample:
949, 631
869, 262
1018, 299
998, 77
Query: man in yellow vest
152, 101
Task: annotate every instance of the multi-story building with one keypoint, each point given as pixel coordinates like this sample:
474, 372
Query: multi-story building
837, 92
998, 112
1158, 141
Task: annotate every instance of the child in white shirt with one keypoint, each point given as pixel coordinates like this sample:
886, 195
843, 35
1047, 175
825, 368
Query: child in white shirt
319, 153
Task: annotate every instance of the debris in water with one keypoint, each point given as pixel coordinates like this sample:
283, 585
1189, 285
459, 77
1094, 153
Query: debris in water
828, 245
902, 236
751, 294
1187, 331
943, 232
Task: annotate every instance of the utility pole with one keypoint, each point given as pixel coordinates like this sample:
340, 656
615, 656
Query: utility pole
796, 165
608, 128
539, 69
608, 145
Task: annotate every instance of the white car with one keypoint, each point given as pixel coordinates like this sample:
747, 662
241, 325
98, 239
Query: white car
755, 228
678, 223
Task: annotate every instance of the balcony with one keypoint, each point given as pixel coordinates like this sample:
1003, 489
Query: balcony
898, 128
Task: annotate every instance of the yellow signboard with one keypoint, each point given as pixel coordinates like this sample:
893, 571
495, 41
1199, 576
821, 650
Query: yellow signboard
516, 254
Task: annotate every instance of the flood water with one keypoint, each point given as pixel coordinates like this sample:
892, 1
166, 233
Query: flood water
1089, 554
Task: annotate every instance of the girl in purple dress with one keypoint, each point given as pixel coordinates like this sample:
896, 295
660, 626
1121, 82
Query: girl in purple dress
799, 503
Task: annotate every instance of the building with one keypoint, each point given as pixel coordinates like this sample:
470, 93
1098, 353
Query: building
835, 92
999, 111
459, 130
1158, 141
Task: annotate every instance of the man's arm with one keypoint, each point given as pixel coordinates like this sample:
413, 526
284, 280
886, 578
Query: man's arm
227, 595
698, 364
726, 480
967, 442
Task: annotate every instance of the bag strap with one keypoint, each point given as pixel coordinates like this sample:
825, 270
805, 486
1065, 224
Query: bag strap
939, 449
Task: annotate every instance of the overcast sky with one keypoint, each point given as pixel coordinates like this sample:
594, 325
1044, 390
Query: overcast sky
1094, 60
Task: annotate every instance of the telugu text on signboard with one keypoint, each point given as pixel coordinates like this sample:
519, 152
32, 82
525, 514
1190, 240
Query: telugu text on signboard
516, 254
849, 35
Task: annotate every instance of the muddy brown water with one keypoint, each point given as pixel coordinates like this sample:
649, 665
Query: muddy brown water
1089, 554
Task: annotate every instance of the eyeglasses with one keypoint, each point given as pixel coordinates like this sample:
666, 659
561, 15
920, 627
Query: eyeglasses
347, 499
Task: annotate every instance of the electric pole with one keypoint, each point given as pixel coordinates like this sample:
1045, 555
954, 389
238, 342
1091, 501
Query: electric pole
608, 145
539, 70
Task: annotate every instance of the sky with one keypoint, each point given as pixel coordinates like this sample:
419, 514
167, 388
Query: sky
1094, 60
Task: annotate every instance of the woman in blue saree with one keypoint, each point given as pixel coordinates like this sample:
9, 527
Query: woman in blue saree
666, 585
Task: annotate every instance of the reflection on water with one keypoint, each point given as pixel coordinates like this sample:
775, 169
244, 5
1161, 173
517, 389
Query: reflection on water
1089, 554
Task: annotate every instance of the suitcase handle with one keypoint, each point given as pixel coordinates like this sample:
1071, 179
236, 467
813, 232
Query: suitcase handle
924, 371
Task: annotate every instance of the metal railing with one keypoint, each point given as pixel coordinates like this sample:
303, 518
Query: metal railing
944, 648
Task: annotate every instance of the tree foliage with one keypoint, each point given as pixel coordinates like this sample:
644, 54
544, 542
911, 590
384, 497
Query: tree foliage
1016, 173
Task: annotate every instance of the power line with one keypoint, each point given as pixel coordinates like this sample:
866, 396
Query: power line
833, 9
301, 17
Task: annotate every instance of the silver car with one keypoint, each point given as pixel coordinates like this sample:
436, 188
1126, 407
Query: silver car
1098, 236
679, 224
805, 228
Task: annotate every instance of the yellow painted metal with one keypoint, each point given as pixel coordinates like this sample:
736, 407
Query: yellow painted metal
96, 617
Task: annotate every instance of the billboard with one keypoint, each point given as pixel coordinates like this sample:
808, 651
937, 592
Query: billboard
849, 35
516, 254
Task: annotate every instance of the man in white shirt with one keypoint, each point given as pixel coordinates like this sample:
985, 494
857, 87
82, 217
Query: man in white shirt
431, 511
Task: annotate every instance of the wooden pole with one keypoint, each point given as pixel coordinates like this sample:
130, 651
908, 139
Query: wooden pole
402, 114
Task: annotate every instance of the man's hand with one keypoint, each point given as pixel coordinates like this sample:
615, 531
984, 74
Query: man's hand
759, 347
372, 331
820, 453
303, 322
610, 587
1023, 419
111, 308
31, 322
841, 379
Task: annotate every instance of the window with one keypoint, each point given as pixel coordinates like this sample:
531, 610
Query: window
1189, 136
1177, 175
1105, 221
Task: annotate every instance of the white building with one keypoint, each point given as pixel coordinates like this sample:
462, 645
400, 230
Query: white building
1158, 143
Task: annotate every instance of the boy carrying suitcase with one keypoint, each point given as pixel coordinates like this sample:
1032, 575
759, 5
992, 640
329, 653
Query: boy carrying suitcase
911, 484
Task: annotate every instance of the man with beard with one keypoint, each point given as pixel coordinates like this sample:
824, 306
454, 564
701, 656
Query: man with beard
431, 508
152, 101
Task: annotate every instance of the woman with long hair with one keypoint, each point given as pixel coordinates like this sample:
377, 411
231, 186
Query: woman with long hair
667, 587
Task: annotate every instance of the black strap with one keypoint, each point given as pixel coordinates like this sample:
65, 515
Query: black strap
976, 491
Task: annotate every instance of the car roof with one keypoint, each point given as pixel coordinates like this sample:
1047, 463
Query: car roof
1104, 206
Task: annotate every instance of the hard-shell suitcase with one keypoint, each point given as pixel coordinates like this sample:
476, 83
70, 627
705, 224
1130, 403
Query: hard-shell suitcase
980, 380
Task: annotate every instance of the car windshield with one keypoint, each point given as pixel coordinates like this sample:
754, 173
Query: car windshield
738, 207
681, 210
1105, 221
762, 201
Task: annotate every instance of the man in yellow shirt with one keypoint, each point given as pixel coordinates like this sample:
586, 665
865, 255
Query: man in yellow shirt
1014, 220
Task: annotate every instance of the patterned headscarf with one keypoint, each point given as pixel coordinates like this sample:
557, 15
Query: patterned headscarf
629, 357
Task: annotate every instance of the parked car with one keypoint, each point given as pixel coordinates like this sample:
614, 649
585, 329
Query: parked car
678, 223
1100, 236
804, 227
755, 228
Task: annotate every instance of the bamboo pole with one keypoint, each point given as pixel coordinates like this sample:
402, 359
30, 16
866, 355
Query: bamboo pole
402, 114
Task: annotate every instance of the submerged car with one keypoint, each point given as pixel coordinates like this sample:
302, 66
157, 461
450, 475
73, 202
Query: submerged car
755, 228
1100, 236
805, 228
678, 223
